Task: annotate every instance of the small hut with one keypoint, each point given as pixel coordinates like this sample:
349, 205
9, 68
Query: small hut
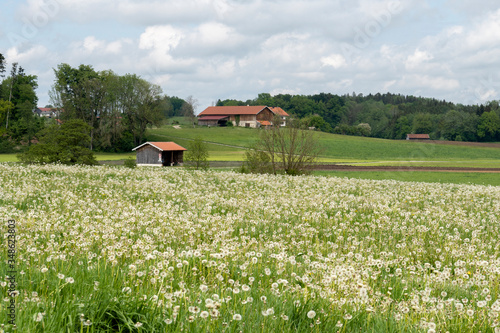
159, 154
417, 137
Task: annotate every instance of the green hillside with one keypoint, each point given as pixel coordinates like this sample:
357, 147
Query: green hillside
337, 148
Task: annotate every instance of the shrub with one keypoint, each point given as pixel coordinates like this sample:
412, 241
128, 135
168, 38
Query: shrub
65, 144
130, 163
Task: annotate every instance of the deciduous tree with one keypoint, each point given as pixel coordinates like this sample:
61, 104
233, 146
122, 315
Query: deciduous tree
67, 144
197, 154
290, 149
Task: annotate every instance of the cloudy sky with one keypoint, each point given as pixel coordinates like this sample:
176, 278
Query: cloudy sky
236, 49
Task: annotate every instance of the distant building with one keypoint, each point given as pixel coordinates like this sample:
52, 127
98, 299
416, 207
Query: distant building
243, 116
159, 154
417, 137
47, 112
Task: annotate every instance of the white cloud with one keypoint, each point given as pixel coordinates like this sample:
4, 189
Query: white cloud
91, 43
486, 33
214, 33
217, 48
23, 57
417, 58
429, 82
160, 38
334, 60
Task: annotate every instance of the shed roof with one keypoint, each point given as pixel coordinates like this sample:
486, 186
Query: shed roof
279, 111
418, 136
231, 110
162, 146
212, 117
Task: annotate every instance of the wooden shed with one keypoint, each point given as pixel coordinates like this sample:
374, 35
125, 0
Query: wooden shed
417, 137
159, 154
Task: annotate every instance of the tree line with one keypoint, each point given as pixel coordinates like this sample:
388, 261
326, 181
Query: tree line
18, 124
117, 108
388, 116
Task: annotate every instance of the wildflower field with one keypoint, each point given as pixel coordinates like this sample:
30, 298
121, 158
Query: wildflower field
108, 249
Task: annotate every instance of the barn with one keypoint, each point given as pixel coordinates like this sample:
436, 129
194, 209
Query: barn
417, 137
244, 116
159, 154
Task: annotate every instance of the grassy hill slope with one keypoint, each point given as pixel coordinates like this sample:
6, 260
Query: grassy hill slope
337, 148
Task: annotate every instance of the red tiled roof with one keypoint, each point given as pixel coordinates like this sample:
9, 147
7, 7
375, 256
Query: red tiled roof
264, 123
212, 117
231, 110
162, 146
46, 109
418, 136
279, 111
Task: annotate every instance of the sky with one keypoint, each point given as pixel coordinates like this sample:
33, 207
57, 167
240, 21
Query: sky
236, 49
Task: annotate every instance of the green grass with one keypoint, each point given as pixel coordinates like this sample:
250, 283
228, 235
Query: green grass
420, 176
8, 158
229, 144
443, 164
341, 147
113, 156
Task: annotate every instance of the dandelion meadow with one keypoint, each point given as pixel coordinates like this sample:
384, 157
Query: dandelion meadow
106, 249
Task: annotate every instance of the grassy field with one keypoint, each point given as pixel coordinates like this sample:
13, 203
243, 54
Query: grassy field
112, 249
341, 147
418, 176
230, 144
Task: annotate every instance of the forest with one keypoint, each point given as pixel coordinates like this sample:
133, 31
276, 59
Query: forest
388, 116
117, 108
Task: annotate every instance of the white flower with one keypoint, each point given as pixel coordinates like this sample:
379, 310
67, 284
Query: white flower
236, 316
311, 314
44, 269
61, 276
70, 280
203, 288
38, 317
204, 314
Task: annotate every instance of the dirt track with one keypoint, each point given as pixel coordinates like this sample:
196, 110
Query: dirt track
461, 143
333, 167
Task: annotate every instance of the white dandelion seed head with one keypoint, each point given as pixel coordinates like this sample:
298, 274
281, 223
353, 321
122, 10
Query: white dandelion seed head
311, 314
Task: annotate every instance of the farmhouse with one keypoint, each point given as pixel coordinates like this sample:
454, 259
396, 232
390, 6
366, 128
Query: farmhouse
417, 137
159, 154
244, 116
46, 112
